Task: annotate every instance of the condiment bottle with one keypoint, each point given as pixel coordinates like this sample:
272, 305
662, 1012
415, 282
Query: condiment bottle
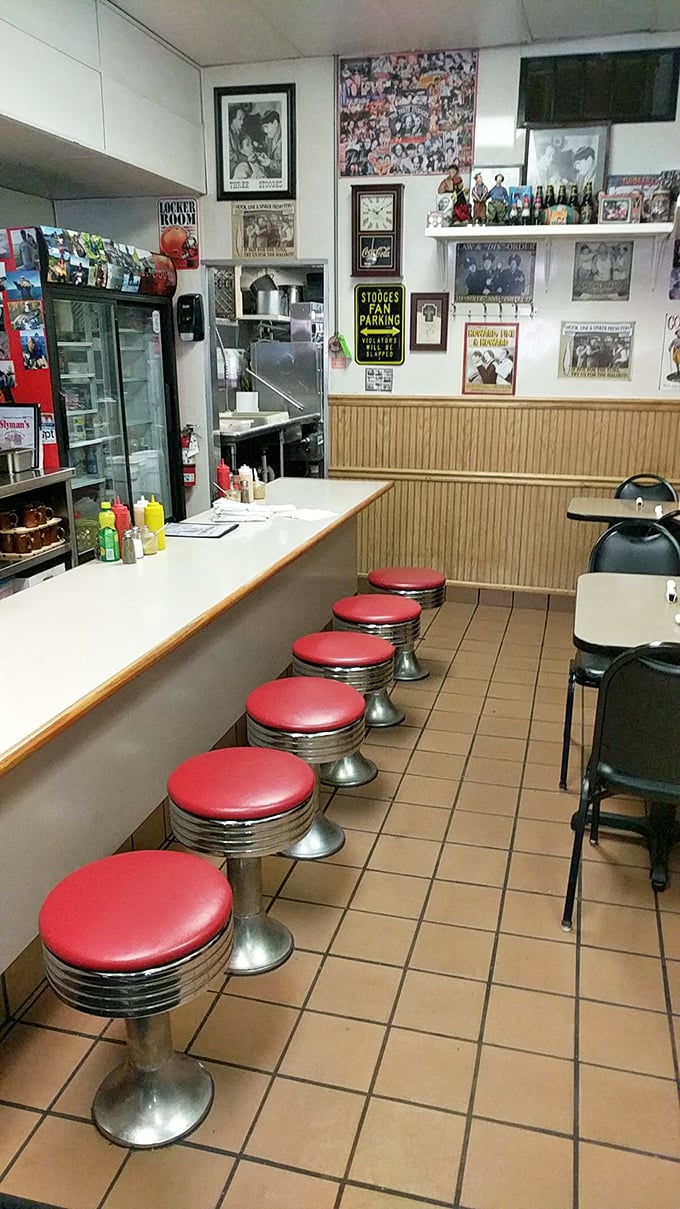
247, 487
154, 518
123, 522
139, 510
258, 487
223, 479
109, 548
149, 541
137, 539
129, 555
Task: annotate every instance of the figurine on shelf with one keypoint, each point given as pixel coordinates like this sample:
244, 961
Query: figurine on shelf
453, 184
497, 202
478, 195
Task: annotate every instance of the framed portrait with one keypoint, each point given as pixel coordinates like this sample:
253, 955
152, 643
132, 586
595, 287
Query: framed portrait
490, 358
429, 323
574, 156
618, 207
255, 141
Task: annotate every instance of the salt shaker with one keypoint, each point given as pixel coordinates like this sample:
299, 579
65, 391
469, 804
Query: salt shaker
129, 555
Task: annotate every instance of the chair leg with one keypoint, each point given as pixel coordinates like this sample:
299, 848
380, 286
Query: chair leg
260, 942
568, 715
579, 829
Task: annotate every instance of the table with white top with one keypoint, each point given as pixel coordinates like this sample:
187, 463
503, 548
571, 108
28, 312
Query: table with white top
609, 510
111, 675
615, 612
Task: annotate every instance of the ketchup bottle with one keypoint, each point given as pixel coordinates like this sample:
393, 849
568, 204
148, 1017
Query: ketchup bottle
123, 522
223, 478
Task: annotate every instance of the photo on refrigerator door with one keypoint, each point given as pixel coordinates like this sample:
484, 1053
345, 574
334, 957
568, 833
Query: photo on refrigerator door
34, 349
7, 376
25, 315
23, 284
25, 248
4, 243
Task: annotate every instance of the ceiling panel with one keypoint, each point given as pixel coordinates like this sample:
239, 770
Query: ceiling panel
215, 32
576, 19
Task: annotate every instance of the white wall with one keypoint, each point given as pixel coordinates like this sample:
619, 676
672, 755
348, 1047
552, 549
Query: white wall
24, 209
81, 70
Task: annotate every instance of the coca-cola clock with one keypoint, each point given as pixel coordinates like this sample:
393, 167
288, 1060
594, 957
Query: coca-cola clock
376, 230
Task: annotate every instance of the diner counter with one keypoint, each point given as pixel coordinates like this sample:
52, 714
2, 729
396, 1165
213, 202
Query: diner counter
79, 637
111, 675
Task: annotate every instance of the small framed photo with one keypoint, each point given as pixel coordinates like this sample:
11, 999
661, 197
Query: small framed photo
429, 323
255, 141
618, 207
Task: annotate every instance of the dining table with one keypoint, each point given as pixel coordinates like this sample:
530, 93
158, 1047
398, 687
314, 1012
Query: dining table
615, 612
609, 510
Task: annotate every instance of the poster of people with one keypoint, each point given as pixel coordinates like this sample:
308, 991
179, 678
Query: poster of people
178, 230
255, 131
262, 228
596, 350
495, 272
490, 358
407, 114
669, 373
602, 271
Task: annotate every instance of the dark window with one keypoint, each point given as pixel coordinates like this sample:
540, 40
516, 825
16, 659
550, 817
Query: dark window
633, 86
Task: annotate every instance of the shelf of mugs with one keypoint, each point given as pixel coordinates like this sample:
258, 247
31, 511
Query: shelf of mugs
12, 564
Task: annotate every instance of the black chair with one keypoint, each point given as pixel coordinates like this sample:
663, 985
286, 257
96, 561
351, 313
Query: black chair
646, 487
635, 752
651, 549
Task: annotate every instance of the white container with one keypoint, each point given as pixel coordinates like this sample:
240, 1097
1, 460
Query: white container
247, 400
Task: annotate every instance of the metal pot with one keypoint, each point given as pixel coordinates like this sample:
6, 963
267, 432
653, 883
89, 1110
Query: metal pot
271, 302
294, 293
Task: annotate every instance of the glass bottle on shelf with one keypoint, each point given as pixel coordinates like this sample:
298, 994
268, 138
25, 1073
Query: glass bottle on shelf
562, 195
587, 205
538, 206
550, 195
573, 200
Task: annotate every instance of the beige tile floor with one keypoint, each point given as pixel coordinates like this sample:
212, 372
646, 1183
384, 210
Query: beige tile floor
436, 1039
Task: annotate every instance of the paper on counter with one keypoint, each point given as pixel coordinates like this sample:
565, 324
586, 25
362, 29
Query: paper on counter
313, 514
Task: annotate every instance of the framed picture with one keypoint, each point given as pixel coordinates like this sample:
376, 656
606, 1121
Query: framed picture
618, 207
376, 230
429, 323
255, 141
574, 156
490, 358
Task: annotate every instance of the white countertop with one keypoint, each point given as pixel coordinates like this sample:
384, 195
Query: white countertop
72, 641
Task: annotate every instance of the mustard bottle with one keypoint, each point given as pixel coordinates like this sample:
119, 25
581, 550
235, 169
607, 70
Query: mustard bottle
154, 519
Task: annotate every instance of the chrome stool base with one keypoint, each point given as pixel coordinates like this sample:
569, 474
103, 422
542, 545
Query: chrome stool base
349, 771
323, 839
260, 944
407, 666
381, 710
156, 1096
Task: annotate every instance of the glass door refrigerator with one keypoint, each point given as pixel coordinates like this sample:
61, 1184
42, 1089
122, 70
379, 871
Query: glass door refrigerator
117, 419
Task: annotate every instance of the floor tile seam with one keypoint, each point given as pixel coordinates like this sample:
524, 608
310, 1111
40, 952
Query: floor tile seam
667, 991
626, 1070
43, 1113
58, 1028
489, 984
647, 1154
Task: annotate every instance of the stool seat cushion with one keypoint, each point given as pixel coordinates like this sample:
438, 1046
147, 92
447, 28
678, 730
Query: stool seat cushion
406, 579
305, 704
241, 783
135, 911
372, 609
340, 648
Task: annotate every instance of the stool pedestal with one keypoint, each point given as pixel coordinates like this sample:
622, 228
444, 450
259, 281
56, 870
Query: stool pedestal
156, 1095
407, 665
260, 942
324, 837
381, 710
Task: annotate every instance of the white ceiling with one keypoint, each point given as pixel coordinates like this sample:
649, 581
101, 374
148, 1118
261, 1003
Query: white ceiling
214, 32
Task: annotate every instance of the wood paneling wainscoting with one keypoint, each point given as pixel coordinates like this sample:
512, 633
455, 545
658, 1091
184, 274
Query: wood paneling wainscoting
481, 487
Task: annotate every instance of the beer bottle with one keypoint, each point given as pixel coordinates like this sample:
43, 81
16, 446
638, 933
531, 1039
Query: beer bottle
513, 216
587, 205
525, 216
573, 200
562, 195
537, 210
550, 196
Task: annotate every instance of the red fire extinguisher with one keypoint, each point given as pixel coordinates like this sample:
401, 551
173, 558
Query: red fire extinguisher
189, 451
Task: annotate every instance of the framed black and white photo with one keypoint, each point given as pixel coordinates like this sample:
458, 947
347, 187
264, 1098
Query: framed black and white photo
429, 322
255, 141
574, 156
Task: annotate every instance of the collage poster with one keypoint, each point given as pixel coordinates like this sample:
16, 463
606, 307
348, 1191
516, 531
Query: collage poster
262, 228
602, 271
408, 114
596, 350
495, 272
490, 358
669, 372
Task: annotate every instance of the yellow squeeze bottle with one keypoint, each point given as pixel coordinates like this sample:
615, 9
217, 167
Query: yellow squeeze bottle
154, 519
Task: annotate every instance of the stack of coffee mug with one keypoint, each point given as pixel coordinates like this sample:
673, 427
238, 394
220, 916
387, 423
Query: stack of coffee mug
29, 529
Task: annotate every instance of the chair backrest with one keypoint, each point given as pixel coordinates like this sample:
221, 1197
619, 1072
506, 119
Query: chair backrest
635, 740
646, 487
648, 549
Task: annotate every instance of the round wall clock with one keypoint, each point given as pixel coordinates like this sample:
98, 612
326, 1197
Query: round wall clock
376, 230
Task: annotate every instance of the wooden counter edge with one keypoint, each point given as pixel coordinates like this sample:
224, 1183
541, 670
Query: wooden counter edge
39, 738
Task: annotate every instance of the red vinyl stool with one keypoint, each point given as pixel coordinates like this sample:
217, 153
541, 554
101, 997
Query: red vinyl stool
365, 662
245, 803
132, 936
319, 720
392, 617
421, 584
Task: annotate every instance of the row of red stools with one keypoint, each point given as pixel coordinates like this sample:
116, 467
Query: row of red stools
134, 935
